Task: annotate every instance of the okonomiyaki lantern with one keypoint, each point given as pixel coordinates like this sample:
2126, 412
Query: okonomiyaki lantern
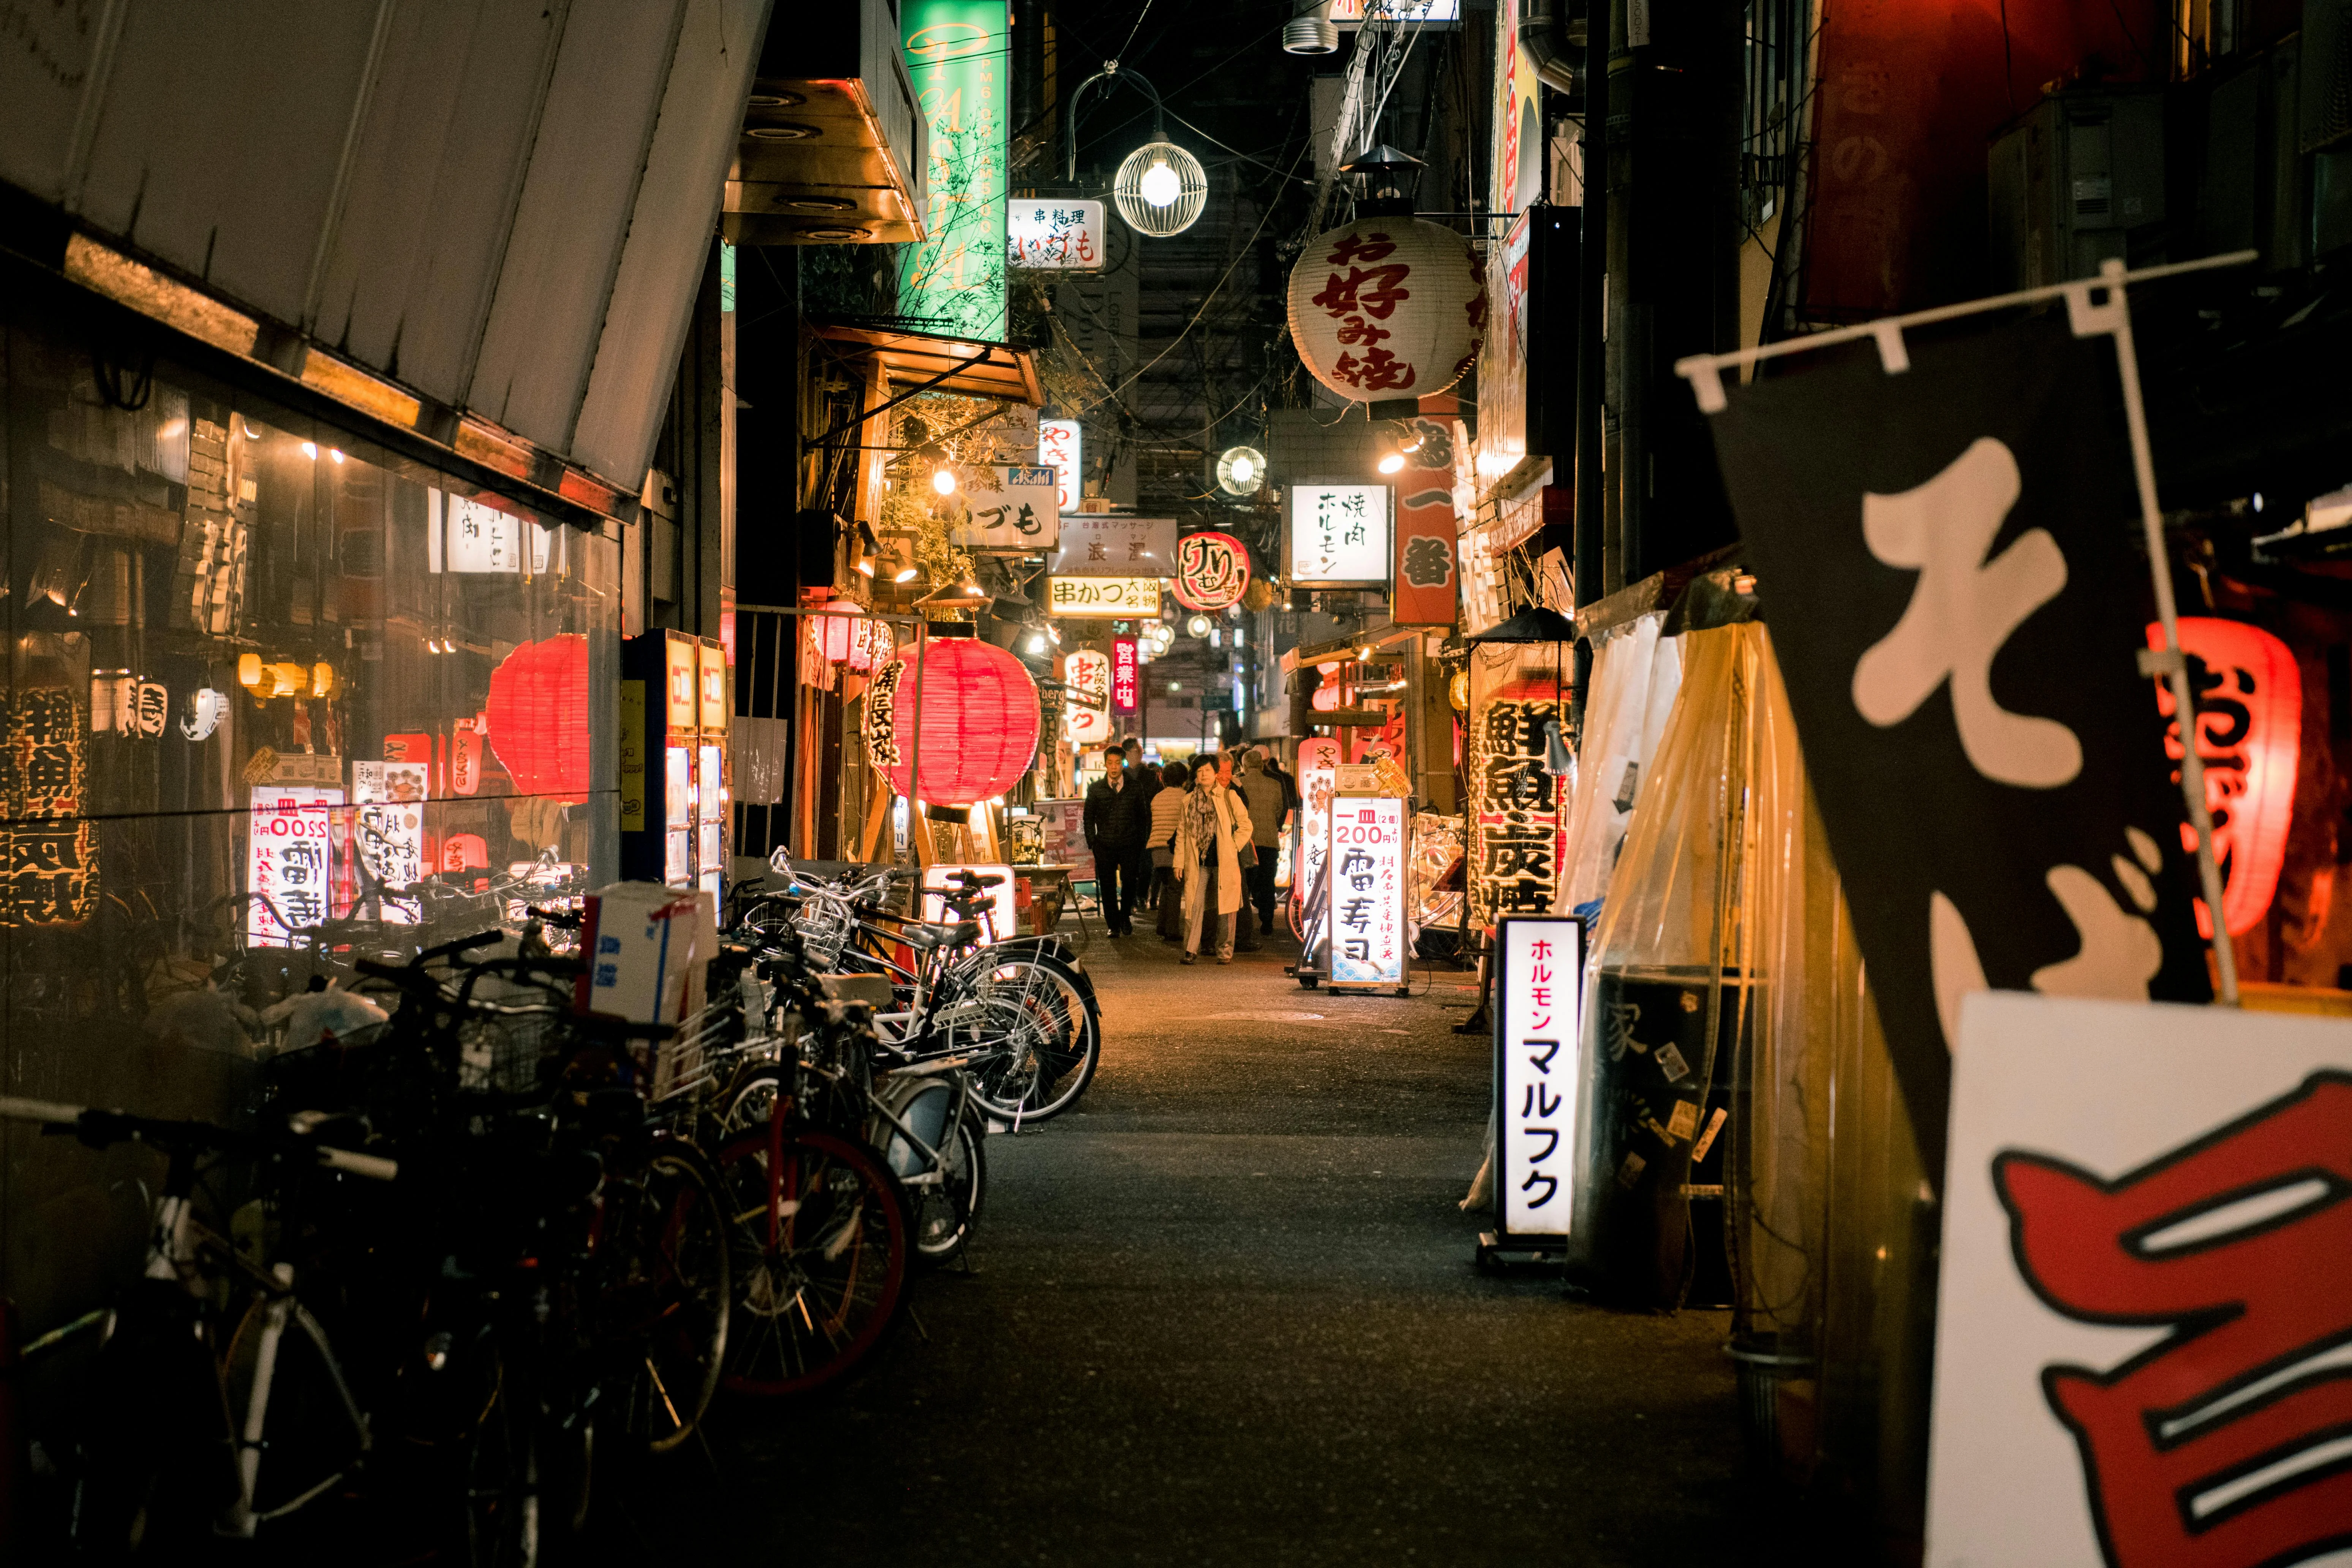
1388, 307
538, 717
2249, 698
979, 723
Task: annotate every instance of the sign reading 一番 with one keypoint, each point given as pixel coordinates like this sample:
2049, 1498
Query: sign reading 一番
1021, 514
1336, 536
1102, 596
1060, 235
1061, 446
1539, 974
1366, 896
1098, 544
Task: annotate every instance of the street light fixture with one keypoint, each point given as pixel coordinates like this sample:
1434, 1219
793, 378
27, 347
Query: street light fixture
1241, 470
1160, 189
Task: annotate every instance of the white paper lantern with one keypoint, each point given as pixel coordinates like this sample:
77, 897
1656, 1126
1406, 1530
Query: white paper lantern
1387, 308
1085, 674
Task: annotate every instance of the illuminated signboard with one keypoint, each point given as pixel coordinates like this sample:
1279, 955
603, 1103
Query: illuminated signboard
1098, 544
1350, 13
1021, 514
1212, 571
1366, 896
1059, 235
996, 918
388, 831
1061, 446
287, 860
956, 53
1123, 676
1319, 761
1336, 536
1102, 596
1085, 674
1539, 968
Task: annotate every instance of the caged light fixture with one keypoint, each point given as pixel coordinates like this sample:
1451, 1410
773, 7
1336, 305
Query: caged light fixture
1160, 189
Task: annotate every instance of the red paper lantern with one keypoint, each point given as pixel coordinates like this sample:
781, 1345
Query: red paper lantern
1387, 308
1212, 571
979, 723
538, 717
2248, 696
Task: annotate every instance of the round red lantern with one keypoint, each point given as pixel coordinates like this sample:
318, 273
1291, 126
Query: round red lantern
2249, 698
538, 715
1212, 571
979, 726
1387, 308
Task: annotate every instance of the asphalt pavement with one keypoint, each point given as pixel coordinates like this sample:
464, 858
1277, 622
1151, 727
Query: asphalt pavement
1224, 1312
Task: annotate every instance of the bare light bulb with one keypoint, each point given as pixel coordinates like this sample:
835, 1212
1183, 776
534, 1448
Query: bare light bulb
906, 576
1160, 185
1392, 463
1244, 470
944, 482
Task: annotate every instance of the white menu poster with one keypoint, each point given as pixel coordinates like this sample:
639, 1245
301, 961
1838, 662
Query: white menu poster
289, 861
1367, 892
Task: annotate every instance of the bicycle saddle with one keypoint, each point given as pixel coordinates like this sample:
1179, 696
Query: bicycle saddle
921, 935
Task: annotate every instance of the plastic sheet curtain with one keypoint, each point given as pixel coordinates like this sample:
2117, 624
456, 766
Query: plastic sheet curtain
1635, 674
1725, 898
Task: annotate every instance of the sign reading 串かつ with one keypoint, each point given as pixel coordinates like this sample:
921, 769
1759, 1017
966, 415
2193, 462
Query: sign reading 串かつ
1539, 969
1021, 514
1367, 890
956, 52
1102, 596
1336, 535
1096, 545
1061, 235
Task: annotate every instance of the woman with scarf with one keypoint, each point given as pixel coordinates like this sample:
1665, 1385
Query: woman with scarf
1210, 839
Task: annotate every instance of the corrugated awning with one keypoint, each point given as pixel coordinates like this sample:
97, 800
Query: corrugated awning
967, 368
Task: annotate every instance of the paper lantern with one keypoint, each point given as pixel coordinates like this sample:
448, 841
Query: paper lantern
1212, 571
979, 721
2248, 696
1085, 674
538, 716
1388, 307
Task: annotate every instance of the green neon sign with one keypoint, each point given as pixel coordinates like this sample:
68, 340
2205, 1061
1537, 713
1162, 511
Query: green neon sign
956, 52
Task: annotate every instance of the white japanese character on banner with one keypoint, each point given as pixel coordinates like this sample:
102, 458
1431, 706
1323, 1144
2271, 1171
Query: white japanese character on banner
1962, 609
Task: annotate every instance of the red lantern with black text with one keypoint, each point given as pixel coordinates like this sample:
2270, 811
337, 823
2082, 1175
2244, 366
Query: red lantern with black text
2249, 698
537, 714
1387, 308
1212, 571
979, 723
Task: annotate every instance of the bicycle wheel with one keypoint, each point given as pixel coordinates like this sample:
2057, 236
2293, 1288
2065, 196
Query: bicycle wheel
667, 1306
1033, 1040
943, 1189
946, 1215
500, 1478
820, 1247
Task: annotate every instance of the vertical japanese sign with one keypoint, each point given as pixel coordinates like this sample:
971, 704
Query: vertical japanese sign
289, 853
52, 847
2145, 1290
1318, 780
388, 830
1947, 557
1516, 810
1085, 674
1061, 446
1538, 976
955, 277
1124, 675
1337, 535
1058, 235
1366, 899
1425, 583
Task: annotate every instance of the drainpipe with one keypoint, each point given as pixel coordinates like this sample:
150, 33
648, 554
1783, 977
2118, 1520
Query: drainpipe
1555, 42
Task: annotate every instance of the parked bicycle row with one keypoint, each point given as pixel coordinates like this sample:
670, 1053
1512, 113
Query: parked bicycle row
474, 1246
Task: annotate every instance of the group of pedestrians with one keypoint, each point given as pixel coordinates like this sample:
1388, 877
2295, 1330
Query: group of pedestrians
1196, 844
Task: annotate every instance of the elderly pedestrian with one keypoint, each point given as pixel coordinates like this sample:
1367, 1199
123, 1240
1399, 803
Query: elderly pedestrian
1167, 815
1210, 837
1267, 805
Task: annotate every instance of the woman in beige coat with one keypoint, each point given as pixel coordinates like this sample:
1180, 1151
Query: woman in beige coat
1209, 839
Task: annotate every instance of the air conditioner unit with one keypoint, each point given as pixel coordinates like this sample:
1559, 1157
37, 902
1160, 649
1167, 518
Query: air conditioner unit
2076, 180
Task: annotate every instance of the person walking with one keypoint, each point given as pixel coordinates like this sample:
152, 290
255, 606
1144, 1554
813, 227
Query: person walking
1167, 813
1267, 806
1145, 780
1209, 839
1113, 826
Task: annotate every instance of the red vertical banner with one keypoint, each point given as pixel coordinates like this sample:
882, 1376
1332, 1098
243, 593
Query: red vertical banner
1426, 577
1123, 676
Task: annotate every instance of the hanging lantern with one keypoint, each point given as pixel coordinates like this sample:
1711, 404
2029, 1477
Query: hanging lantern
979, 721
538, 717
1160, 189
2248, 696
1087, 674
1212, 571
1388, 307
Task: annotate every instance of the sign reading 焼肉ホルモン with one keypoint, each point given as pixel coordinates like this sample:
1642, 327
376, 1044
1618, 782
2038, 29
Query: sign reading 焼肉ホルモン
2146, 1289
1336, 536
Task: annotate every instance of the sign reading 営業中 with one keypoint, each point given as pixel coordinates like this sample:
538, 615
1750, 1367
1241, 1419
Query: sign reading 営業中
1098, 544
1102, 596
289, 861
1336, 535
2144, 1288
1061, 446
1366, 898
956, 53
1021, 514
1060, 235
1124, 675
1538, 976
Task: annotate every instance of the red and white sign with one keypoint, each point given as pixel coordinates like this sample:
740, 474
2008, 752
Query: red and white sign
1539, 969
1061, 443
1425, 582
1085, 679
1212, 571
289, 839
1387, 308
1366, 901
1060, 235
1123, 675
2145, 1290
2249, 698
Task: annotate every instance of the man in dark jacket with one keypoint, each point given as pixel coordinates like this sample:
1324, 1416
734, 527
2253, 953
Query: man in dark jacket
1144, 781
1114, 820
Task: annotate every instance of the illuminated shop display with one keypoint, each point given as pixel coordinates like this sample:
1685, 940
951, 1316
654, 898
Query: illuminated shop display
52, 847
1085, 674
1516, 806
978, 722
1102, 596
1061, 446
2248, 696
1124, 675
673, 754
1364, 901
1336, 535
1538, 978
289, 848
1061, 235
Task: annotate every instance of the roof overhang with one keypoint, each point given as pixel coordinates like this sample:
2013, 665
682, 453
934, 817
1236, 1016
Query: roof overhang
834, 144
965, 366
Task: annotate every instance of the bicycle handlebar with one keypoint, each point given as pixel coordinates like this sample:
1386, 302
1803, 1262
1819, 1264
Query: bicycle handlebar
97, 1129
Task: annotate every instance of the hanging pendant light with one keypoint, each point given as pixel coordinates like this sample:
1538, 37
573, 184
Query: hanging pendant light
1160, 189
